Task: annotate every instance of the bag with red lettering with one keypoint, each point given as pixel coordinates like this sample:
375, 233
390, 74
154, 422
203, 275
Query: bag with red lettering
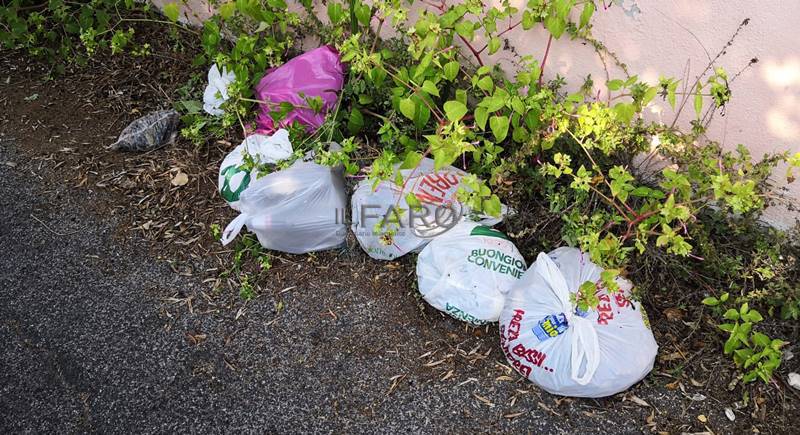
583, 354
387, 228
467, 271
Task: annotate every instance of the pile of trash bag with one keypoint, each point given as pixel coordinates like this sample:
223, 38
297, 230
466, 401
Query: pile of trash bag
583, 354
467, 271
465, 268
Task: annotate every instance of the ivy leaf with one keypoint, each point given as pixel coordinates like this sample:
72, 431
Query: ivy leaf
494, 45
499, 126
455, 110
408, 108
430, 88
586, 15
171, 11
451, 70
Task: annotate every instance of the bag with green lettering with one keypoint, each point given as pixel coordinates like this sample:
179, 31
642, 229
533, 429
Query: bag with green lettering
467, 271
235, 175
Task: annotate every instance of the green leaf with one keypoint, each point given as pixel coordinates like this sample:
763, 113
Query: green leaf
586, 15
711, 301
615, 85
486, 84
698, 101
455, 110
528, 20
226, 10
761, 339
731, 314
730, 345
727, 327
491, 206
451, 70
335, 12
671, 88
408, 108
363, 13
355, 122
624, 112
494, 45
493, 103
422, 116
499, 126
555, 24
481, 116
172, 11
465, 29
430, 88
651, 92
754, 316
411, 161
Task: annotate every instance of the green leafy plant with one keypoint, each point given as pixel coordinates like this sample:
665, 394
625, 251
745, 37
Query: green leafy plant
753, 351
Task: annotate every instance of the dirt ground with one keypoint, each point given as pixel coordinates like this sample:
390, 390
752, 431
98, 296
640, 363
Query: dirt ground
333, 341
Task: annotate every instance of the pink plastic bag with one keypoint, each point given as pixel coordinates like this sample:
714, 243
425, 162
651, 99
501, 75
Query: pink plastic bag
317, 73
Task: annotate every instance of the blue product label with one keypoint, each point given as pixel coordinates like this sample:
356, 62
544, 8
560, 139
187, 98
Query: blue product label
550, 326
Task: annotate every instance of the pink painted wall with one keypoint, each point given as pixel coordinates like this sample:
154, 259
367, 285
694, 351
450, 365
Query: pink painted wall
671, 37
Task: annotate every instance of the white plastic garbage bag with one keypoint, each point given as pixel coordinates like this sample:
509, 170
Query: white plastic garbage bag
407, 230
234, 177
216, 91
294, 210
594, 354
467, 271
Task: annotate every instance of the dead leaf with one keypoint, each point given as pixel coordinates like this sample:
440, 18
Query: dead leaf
180, 179
702, 418
673, 314
794, 380
637, 400
484, 400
